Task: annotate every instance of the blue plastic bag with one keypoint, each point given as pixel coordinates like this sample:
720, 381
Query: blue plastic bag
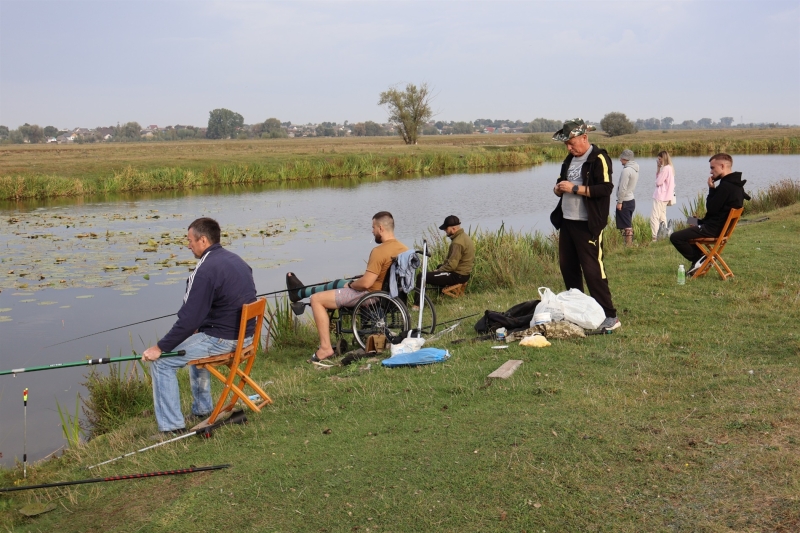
423, 356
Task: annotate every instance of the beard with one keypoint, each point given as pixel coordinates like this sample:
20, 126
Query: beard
378, 239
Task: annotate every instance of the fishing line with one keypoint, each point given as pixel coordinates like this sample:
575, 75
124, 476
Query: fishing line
173, 314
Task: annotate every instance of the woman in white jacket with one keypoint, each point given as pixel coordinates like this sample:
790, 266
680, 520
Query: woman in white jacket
665, 189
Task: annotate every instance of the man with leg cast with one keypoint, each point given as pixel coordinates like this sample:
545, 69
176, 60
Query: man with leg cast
347, 294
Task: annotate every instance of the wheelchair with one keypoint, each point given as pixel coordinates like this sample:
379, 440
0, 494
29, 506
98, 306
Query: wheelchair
378, 313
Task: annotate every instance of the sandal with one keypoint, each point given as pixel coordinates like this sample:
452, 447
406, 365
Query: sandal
314, 359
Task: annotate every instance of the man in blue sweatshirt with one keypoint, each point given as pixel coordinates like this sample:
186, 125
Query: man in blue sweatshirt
208, 324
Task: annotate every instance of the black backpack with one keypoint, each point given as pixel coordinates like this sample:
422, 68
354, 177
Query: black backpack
515, 319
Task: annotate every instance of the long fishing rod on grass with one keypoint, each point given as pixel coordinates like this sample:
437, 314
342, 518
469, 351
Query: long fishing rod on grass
25, 435
236, 418
190, 470
85, 362
173, 314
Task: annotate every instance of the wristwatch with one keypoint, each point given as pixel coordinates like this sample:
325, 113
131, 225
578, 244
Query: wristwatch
574, 189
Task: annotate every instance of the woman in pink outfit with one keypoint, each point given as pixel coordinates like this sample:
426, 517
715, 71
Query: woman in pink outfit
665, 189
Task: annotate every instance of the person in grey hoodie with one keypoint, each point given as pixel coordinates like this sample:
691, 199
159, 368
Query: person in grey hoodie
626, 204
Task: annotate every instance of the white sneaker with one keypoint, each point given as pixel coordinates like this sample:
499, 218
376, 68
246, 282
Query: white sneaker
610, 323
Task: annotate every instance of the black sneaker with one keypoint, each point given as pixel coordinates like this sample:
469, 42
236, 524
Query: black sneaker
166, 435
292, 283
696, 267
195, 419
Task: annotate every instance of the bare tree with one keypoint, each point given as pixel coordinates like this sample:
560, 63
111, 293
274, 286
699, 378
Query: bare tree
408, 109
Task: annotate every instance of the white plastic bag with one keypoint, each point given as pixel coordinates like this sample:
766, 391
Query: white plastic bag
581, 309
407, 345
549, 304
571, 305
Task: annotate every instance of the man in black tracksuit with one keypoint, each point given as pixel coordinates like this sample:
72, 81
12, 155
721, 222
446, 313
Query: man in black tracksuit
208, 324
584, 187
726, 195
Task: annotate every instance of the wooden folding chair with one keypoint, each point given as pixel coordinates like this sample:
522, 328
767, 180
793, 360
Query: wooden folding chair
454, 291
233, 360
712, 247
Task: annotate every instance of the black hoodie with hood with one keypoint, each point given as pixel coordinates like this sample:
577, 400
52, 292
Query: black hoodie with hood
728, 194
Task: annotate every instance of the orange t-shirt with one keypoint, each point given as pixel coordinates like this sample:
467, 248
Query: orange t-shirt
380, 259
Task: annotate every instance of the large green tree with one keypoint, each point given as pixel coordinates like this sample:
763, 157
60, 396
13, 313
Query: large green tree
272, 128
616, 123
408, 109
50, 131
33, 133
223, 123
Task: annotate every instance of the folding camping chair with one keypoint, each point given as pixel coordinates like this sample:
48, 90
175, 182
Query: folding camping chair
233, 360
712, 247
454, 291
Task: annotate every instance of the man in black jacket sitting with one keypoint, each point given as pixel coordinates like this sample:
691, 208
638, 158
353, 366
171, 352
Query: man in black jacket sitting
208, 324
725, 192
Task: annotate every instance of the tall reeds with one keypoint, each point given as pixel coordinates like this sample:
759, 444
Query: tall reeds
503, 258
118, 396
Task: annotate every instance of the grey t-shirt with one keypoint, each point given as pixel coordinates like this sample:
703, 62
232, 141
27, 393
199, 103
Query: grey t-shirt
572, 204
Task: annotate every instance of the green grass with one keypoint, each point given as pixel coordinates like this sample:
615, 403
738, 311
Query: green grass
47, 171
685, 419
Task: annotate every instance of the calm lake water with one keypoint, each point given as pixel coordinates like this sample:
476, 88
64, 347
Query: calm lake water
320, 232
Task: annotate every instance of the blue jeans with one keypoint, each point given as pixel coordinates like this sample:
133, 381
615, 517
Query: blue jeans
163, 372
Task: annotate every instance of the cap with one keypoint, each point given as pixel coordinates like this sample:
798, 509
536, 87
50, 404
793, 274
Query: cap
626, 155
452, 220
572, 128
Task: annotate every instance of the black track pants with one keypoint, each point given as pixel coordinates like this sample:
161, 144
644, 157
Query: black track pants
439, 279
580, 255
680, 240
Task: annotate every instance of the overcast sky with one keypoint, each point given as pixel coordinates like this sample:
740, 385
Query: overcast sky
92, 63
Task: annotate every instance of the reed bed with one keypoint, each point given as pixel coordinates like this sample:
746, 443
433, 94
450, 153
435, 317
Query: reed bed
101, 170
131, 179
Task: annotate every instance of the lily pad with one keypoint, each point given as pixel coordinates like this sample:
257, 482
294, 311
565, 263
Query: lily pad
33, 509
64, 306
82, 296
5, 309
4, 318
47, 303
27, 300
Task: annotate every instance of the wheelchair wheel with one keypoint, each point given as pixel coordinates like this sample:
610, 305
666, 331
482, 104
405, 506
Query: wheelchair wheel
378, 313
428, 314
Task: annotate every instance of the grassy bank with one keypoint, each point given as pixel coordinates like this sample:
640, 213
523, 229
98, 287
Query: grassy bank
48, 171
685, 419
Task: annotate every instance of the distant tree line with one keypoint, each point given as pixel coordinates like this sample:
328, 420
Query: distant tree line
226, 124
616, 123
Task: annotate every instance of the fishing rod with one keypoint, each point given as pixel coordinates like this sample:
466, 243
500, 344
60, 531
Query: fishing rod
86, 362
25, 435
173, 314
236, 418
190, 470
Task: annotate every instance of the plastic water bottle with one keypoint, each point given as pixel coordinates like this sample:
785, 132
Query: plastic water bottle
681, 275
